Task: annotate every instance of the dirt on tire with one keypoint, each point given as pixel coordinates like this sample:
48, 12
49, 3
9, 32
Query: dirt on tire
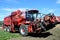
52, 34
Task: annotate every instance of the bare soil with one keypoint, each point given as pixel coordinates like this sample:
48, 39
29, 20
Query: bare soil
52, 34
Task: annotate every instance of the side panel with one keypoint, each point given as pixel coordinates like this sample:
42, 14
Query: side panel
58, 18
30, 29
7, 21
53, 19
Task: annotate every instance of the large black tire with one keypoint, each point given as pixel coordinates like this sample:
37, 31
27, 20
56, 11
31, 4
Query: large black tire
23, 30
7, 28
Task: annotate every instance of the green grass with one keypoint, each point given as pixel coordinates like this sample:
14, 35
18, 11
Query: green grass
7, 35
1, 22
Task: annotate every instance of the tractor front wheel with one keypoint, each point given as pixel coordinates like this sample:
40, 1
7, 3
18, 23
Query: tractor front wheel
23, 30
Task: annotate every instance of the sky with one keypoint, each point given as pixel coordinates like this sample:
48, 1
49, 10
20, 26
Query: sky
44, 6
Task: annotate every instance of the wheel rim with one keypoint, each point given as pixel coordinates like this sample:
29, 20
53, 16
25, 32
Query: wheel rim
8, 30
22, 31
5, 29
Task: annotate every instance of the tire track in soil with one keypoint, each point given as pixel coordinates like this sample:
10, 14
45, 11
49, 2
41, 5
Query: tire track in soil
53, 34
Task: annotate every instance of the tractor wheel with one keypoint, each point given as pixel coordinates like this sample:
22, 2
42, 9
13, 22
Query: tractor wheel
23, 30
6, 28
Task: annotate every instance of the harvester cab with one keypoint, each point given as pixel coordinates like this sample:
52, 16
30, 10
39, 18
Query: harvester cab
32, 15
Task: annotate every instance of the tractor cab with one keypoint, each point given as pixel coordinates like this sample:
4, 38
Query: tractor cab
32, 15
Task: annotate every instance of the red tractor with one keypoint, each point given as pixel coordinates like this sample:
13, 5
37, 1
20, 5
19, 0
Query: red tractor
26, 22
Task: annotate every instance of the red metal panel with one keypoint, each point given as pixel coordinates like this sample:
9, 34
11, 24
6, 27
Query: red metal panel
7, 20
58, 18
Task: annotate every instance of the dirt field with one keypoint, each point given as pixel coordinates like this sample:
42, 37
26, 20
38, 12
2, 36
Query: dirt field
53, 34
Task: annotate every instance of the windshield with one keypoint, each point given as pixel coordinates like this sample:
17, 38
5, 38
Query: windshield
38, 16
33, 16
30, 17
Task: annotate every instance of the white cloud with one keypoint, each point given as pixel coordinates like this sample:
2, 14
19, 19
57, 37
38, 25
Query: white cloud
6, 9
2, 17
58, 2
47, 10
51, 10
14, 9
